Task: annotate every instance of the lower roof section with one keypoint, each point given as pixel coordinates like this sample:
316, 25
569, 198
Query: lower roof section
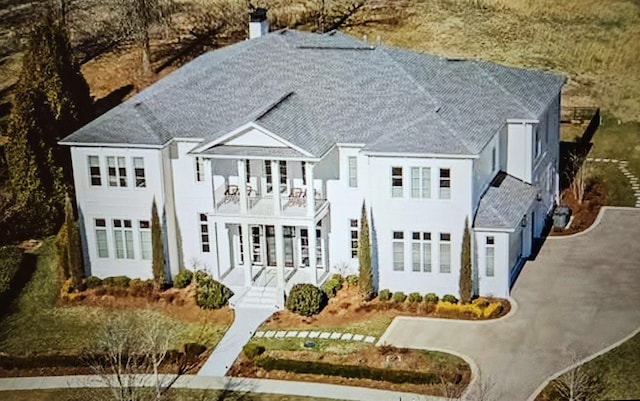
505, 203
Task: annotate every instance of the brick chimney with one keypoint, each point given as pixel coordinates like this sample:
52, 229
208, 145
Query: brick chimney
258, 24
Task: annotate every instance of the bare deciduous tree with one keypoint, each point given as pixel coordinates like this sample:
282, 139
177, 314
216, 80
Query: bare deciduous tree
129, 353
578, 385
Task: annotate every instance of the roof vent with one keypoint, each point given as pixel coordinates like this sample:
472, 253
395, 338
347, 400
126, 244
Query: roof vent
258, 24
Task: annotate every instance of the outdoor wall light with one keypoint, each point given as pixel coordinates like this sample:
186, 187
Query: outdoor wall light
524, 221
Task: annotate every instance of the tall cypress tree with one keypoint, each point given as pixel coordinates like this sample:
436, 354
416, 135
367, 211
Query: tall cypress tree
466, 281
365, 279
156, 245
74, 255
51, 99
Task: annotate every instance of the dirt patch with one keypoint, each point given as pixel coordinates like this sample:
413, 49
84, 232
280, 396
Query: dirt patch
585, 213
377, 357
347, 308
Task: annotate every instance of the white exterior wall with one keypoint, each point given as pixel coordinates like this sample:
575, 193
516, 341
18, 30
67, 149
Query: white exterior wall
105, 202
498, 284
483, 170
519, 150
408, 214
192, 197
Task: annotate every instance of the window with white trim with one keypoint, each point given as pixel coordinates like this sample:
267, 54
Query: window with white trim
247, 170
117, 171
145, 239
101, 238
123, 238
445, 183
94, 171
138, 172
199, 169
353, 230
256, 246
204, 233
353, 172
421, 251
489, 256
283, 172
396, 182
268, 176
538, 142
420, 182
445, 253
398, 251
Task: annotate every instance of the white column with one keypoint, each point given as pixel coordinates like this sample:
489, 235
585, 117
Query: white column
325, 244
242, 185
246, 253
312, 253
279, 254
311, 201
275, 181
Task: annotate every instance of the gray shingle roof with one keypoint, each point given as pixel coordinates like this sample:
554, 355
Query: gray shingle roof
504, 203
316, 90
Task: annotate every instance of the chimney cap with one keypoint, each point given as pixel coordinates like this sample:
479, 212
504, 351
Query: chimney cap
258, 14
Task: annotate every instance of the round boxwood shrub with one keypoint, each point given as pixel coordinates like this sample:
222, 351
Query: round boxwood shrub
92, 282
210, 294
431, 298
352, 280
306, 299
183, 279
333, 285
384, 295
450, 298
399, 297
415, 297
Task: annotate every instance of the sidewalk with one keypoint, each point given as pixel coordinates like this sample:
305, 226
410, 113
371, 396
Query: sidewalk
302, 389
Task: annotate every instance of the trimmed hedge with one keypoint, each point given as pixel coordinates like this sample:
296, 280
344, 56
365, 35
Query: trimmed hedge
116, 281
384, 295
333, 285
355, 371
92, 282
415, 297
431, 298
211, 294
306, 299
449, 298
183, 279
399, 297
10, 260
252, 351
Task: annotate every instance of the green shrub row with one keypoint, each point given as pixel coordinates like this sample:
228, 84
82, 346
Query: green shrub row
10, 260
181, 280
355, 371
414, 297
306, 299
211, 294
333, 285
252, 350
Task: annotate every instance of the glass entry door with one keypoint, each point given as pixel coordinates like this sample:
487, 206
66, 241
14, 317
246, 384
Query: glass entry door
288, 233
271, 245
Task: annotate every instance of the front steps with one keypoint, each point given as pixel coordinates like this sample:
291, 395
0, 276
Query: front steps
258, 297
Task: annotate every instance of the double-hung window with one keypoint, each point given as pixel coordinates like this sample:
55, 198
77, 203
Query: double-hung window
145, 239
101, 238
204, 233
199, 169
268, 176
421, 252
94, 171
353, 230
283, 172
138, 171
398, 250
256, 246
396, 182
538, 143
117, 171
420, 182
353, 172
123, 238
247, 170
445, 183
445, 253
489, 256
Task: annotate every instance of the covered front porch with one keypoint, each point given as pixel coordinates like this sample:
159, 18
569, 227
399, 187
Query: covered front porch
278, 255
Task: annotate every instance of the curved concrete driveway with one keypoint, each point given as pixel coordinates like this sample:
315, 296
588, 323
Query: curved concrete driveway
579, 296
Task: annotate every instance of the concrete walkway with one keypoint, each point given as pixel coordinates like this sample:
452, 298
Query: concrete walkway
302, 389
245, 323
578, 297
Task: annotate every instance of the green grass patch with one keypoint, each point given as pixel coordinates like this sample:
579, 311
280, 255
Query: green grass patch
37, 326
174, 395
321, 345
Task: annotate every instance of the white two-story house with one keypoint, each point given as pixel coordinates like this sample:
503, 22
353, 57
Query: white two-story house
261, 154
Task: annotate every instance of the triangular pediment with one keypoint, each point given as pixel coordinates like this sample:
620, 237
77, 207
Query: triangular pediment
254, 137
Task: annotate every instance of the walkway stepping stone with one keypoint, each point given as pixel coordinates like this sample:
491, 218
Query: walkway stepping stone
346, 336
280, 334
325, 335
358, 337
369, 339
291, 334
303, 334
314, 334
259, 334
269, 334
335, 336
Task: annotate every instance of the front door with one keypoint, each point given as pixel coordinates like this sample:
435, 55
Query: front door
288, 246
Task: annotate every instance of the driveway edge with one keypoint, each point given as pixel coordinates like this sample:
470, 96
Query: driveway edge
596, 222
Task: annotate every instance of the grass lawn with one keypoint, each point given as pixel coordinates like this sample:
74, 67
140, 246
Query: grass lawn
35, 325
175, 395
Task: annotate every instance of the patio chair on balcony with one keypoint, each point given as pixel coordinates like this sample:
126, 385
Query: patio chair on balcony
231, 194
295, 197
